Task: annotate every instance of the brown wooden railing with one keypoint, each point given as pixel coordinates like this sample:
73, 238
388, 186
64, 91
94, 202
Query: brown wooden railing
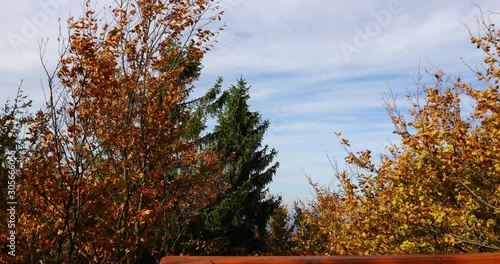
487, 258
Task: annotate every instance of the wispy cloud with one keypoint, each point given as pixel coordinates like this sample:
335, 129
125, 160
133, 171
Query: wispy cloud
290, 51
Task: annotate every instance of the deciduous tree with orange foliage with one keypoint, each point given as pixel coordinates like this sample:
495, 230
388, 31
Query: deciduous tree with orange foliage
110, 175
436, 191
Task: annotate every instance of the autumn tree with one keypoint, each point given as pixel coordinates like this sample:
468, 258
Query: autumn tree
437, 190
317, 223
236, 223
280, 232
110, 175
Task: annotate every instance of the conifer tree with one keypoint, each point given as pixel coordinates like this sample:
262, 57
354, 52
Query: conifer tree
236, 224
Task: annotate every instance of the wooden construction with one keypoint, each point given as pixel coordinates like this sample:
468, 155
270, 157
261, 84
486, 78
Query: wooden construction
486, 258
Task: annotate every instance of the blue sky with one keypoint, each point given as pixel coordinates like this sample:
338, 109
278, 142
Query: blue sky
316, 66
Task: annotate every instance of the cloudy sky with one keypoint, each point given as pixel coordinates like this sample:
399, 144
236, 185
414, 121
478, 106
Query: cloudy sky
316, 66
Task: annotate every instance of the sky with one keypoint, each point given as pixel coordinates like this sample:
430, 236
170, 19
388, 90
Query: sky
316, 67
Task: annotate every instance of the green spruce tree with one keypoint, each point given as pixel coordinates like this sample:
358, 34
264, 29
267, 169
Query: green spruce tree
236, 224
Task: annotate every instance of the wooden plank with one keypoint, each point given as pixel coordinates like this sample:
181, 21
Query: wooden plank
486, 258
